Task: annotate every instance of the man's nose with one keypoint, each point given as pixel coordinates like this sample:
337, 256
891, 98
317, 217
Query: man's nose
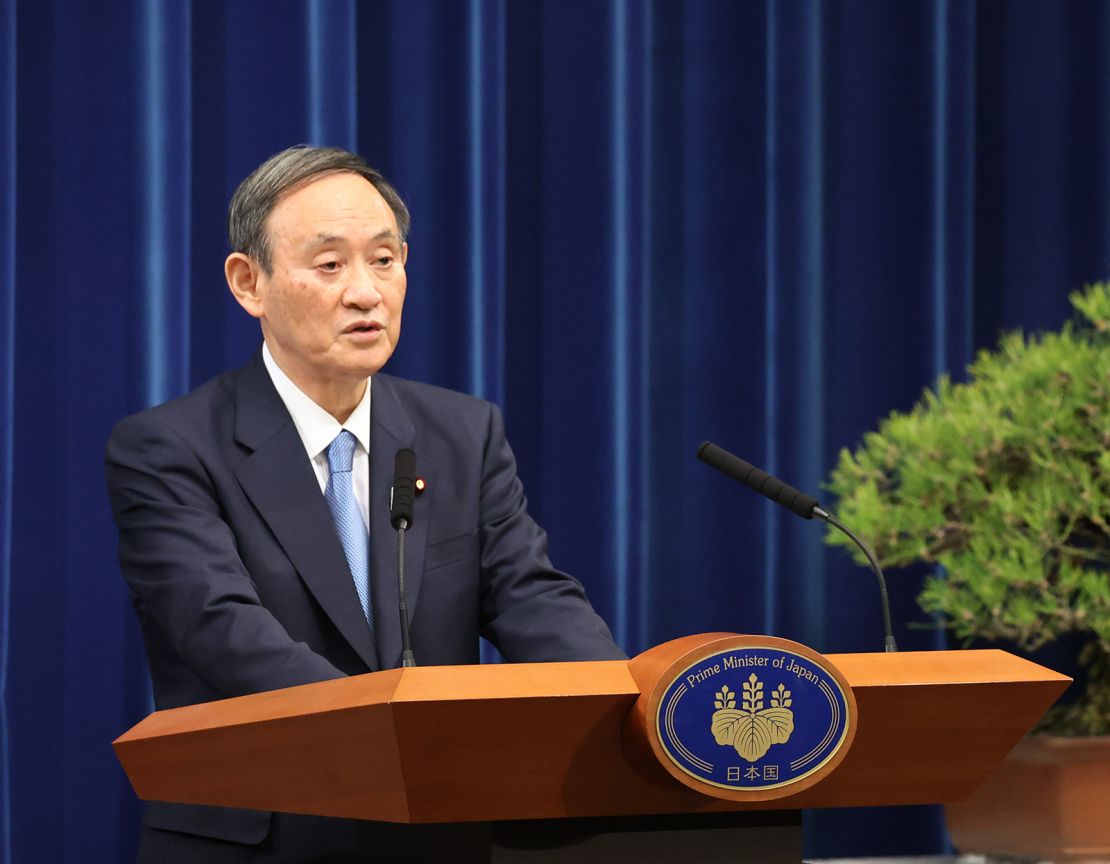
363, 289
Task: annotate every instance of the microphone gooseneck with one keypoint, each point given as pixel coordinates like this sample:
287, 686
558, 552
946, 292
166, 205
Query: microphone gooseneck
400, 516
799, 503
889, 644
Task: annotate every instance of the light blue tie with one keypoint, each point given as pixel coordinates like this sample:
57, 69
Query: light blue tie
340, 495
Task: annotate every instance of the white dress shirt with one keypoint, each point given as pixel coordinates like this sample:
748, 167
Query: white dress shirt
318, 429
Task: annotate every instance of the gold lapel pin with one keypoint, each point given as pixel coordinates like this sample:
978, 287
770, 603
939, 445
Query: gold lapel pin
420, 485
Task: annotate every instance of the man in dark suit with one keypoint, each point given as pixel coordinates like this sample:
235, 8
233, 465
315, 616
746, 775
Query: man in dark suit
254, 512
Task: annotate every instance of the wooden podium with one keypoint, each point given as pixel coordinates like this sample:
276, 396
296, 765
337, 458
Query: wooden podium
567, 740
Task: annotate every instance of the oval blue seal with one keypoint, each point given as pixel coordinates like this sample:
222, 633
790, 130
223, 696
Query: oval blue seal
753, 717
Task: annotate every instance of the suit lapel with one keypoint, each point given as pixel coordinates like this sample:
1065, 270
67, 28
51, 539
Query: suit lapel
280, 482
391, 430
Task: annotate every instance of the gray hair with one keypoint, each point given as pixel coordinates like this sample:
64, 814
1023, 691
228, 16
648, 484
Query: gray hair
257, 196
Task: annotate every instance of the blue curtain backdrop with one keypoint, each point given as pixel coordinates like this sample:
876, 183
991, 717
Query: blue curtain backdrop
637, 225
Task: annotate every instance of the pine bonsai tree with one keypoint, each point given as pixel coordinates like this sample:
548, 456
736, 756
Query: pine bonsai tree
1004, 481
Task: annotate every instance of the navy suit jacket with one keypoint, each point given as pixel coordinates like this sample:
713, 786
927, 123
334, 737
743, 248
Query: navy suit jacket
239, 579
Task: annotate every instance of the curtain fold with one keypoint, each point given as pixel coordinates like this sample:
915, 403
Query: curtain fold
164, 148
331, 52
8, 237
636, 226
794, 387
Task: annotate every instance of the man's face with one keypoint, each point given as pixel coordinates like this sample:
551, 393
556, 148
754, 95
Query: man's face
331, 308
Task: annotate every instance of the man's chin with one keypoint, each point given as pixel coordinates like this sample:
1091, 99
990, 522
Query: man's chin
370, 364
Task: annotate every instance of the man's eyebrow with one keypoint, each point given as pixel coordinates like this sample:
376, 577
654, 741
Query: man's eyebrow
323, 239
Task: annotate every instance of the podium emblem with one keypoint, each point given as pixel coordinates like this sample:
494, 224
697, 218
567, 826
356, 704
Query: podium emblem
759, 715
753, 729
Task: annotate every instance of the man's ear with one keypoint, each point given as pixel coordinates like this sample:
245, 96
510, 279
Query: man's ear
242, 273
404, 254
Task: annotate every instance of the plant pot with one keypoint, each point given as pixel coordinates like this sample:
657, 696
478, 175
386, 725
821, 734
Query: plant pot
1049, 799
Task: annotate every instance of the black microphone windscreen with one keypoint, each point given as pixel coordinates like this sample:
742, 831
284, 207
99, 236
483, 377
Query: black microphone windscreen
759, 481
404, 488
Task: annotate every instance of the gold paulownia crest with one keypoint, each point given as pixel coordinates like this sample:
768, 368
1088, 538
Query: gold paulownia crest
753, 729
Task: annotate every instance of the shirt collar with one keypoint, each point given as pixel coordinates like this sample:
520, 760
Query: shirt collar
316, 426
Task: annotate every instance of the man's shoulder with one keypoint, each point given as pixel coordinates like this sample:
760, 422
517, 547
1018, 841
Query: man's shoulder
208, 412
438, 416
417, 394
200, 412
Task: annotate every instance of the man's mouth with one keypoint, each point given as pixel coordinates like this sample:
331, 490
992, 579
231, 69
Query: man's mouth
363, 327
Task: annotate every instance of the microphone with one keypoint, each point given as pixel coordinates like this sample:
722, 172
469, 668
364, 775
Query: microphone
400, 517
797, 502
758, 481
404, 489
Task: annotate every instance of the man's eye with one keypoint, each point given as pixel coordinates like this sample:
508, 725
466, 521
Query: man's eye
383, 261
328, 266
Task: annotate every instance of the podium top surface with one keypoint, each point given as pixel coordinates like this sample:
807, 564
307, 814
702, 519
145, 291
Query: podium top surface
549, 740
609, 678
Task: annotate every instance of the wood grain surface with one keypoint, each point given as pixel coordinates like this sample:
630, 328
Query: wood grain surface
549, 740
